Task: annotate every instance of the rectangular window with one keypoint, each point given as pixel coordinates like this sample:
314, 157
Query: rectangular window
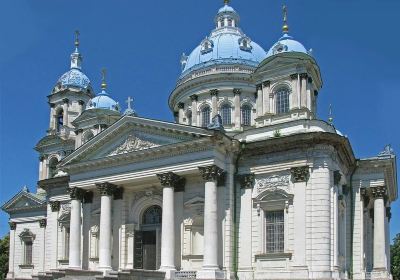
66, 244
28, 253
275, 231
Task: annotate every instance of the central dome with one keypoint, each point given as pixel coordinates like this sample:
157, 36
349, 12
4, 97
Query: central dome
226, 44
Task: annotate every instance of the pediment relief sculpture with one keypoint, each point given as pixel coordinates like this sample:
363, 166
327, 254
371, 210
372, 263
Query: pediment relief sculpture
132, 144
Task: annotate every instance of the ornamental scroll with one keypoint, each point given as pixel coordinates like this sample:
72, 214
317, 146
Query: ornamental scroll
132, 144
271, 184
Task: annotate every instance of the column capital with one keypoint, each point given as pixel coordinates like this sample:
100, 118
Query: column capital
55, 206
300, 174
378, 192
266, 83
13, 225
336, 177
294, 76
118, 193
246, 181
52, 105
181, 105
170, 179
214, 92
194, 97
303, 75
106, 188
211, 172
81, 102
65, 100
76, 193
237, 91
42, 223
258, 86
88, 197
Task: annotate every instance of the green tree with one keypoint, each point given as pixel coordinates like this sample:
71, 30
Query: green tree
395, 257
4, 250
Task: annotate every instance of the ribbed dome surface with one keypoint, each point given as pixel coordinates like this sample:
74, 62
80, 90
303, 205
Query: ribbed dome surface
74, 78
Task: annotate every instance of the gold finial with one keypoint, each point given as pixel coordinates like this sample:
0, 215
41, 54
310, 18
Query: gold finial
285, 27
226, 2
77, 38
103, 79
330, 118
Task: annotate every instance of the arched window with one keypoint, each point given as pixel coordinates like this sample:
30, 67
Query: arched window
52, 167
246, 115
205, 116
230, 22
27, 238
152, 215
226, 114
282, 101
59, 120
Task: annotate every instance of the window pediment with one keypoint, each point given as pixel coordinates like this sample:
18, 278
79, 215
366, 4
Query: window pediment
207, 46
265, 187
27, 235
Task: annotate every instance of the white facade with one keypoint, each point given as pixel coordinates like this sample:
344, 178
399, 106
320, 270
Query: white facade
247, 184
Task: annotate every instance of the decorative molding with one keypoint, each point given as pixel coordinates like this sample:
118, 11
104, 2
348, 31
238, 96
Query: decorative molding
43, 223
88, 197
55, 206
76, 193
13, 225
246, 181
170, 179
300, 174
26, 235
378, 192
211, 172
336, 177
293, 76
106, 189
132, 144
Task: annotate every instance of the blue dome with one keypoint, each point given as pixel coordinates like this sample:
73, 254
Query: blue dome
74, 78
226, 9
287, 44
226, 47
103, 101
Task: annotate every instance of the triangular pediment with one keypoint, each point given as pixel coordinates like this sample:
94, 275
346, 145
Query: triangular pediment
23, 201
132, 134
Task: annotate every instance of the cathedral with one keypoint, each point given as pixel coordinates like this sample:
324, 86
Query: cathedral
246, 183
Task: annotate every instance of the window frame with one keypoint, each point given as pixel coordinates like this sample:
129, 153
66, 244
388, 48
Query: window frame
202, 111
226, 114
242, 116
277, 244
27, 238
278, 103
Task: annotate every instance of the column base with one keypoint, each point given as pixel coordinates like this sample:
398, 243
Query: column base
380, 273
169, 272
210, 274
104, 269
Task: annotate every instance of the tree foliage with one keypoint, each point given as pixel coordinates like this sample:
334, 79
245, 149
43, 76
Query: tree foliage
4, 251
395, 257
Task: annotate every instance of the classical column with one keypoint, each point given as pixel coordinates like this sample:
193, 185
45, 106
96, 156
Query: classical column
266, 92
86, 222
245, 225
76, 195
81, 108
13, 227
211, 175
194, 98
295, 101
65, 111
259, 100
181, 106
236, 93
52, 116
168, 181
106, 191
378, 194
214, 102
303, 99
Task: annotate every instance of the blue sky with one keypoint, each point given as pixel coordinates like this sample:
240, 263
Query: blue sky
140, 44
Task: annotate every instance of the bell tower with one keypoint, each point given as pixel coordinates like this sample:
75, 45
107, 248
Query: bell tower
67, 101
